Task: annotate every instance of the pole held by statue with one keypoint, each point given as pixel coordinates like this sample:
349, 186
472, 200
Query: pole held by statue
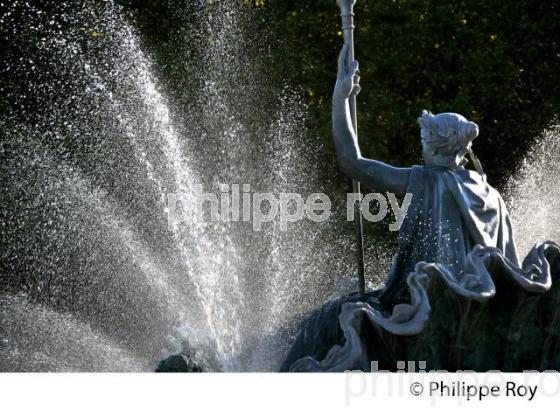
347, 16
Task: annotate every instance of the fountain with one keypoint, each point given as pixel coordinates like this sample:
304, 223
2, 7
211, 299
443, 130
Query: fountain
93, 279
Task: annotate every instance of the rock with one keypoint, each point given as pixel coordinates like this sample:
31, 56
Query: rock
178, 363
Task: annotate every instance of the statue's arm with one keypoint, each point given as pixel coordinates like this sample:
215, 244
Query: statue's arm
376, 174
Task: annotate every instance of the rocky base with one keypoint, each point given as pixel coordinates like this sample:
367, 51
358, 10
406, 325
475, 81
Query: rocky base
179, 363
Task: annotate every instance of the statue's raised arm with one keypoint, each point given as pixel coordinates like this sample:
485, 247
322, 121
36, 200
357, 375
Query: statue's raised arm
375, 174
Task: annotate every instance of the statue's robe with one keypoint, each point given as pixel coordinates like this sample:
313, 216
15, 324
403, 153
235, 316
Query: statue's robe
456, 295
451, 212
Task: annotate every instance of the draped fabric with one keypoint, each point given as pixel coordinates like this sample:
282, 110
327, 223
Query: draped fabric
456, 278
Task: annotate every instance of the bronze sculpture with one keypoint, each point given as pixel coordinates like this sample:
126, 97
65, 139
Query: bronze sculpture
456, 257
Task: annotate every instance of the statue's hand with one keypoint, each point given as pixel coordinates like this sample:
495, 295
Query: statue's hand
347, 81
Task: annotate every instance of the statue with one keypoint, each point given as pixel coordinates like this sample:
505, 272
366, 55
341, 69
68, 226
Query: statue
456, 296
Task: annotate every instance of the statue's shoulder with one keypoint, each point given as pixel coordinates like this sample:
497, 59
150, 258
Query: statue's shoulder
419, 169
473, 178
428, 170
419, 179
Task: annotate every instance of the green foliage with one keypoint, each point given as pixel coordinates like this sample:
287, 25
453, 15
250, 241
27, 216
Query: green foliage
495, 62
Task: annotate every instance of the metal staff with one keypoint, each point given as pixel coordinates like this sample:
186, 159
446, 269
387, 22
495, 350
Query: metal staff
347, 14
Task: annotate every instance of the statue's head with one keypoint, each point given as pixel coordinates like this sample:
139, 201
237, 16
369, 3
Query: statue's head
446, 138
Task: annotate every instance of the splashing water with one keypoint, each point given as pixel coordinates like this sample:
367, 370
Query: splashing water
37, 339
534, 191
94, 279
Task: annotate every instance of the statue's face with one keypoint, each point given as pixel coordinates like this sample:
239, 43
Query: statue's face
435, 159
427, 153
427, 156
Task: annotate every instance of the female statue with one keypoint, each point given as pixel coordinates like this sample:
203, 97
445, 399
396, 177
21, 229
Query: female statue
455, 246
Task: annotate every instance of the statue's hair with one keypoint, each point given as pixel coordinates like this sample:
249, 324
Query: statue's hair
447, 134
